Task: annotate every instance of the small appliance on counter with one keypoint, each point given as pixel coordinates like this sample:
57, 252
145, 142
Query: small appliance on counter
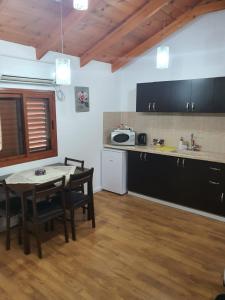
159, 142
142, 139
123, 137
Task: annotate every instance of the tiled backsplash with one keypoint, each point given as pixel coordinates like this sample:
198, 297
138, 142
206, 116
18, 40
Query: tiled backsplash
208, 130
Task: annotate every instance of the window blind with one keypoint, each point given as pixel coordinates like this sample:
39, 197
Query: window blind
38, 124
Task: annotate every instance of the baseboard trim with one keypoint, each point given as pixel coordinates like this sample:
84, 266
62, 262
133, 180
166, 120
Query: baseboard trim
97, 189
194, 211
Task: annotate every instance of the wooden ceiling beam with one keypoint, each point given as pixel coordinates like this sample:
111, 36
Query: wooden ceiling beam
73, 18
182, 20
139, 17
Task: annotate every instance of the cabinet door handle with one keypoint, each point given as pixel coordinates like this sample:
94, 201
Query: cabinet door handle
145, 156
141, 154
215, 169
178, 162
153, 106
187, 106
183, 162
149, 106
192, 106
214, 182
222, 197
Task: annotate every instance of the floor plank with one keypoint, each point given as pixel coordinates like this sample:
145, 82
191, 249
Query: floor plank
139, 250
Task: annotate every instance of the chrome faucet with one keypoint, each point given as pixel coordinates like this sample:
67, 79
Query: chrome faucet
192, 141
194, 146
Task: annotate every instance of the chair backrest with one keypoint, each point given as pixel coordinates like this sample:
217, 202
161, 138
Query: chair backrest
70, 161
45, 190
2, 191
82, 178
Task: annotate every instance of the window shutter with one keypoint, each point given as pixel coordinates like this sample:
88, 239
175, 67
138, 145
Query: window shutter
0, 133
38, 124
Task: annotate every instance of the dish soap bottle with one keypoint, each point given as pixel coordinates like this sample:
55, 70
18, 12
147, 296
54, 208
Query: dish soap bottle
181, 144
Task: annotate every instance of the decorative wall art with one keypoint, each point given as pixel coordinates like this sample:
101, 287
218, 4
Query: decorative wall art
82, 99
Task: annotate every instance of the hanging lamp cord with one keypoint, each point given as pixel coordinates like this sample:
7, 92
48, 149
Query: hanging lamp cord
61, 26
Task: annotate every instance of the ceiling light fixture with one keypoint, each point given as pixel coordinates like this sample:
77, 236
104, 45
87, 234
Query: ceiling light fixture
163, 56
62, 65
80, 4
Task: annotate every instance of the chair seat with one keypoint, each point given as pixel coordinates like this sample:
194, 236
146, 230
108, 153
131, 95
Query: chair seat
15, 206
46, 210
76, 199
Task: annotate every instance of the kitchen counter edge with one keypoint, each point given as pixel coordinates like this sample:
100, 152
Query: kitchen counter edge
206, 156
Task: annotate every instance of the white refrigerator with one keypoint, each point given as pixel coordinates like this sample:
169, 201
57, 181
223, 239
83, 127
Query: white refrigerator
114, 171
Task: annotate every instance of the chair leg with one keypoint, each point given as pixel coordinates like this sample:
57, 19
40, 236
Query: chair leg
20, 232
92, 214
46, 227
89, 212
38, 240
7, 233
52, 225
72, 222
84, 210
65, 228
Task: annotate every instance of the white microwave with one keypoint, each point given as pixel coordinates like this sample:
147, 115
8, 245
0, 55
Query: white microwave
123, 137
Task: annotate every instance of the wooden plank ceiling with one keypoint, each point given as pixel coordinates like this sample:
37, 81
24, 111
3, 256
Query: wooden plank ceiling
112, 31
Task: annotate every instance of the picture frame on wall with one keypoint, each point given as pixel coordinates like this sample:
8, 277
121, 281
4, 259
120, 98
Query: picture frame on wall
82, 101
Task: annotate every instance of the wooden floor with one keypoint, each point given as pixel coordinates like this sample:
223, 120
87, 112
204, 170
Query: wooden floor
139, 250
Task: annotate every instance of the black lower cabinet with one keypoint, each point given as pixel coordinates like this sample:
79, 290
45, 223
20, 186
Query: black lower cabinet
150, 174
192, 183
137, 173
215, 188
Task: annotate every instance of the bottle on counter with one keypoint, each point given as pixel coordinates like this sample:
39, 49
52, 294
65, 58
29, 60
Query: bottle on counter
182, 145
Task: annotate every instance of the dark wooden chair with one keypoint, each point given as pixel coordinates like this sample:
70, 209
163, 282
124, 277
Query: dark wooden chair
10, 206
71, 161
80, 163
46, 204
76, 199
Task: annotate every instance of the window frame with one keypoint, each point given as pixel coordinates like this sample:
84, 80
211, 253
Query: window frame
27, 156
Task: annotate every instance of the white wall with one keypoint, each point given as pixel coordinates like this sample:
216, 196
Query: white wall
197, 51
80, 135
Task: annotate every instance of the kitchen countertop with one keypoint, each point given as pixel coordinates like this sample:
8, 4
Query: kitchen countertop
199, 155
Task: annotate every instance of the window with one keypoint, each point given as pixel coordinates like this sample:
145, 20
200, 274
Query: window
27, 126
0, 134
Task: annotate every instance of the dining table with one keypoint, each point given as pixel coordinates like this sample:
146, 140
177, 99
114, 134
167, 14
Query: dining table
22, 183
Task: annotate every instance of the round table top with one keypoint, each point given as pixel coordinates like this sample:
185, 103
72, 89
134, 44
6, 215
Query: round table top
52, 173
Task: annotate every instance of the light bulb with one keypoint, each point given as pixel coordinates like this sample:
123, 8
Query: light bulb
80, 4
63, 71
162, 61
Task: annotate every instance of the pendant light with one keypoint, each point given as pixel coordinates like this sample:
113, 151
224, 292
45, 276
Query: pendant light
62, 65
80, 4
162, 61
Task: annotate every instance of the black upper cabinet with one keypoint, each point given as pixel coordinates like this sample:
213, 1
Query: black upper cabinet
153, 97
191, 96
219, 95
202, 95
143, 96
180, 95
161, 95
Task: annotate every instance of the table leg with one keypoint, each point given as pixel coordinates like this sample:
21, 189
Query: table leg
26, 240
